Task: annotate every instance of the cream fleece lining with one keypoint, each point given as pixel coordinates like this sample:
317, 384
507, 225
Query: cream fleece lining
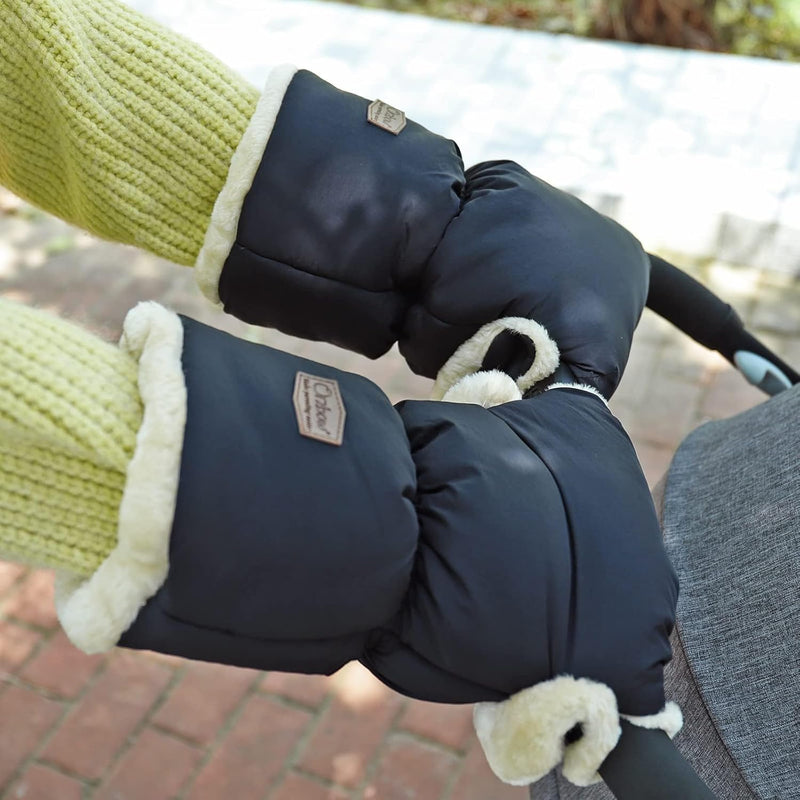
468, 358
222, 229
584, 387
669, 720
487, 389
523, 736
95, 612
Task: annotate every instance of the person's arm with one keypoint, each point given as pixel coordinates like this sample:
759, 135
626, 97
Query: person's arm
116, 124
646, 765
304, 208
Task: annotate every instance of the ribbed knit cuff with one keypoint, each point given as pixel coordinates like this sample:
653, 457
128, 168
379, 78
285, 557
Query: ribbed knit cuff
69, 414
56, 512
115, 123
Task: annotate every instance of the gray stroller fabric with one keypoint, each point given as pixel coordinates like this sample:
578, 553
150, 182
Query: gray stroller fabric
731, 521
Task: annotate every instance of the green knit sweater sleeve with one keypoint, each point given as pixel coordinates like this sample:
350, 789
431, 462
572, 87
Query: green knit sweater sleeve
116, 124
70, 411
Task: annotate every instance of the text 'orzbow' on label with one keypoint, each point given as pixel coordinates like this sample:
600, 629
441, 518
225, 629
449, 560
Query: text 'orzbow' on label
319, 408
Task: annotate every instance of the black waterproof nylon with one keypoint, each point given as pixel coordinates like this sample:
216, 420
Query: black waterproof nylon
461, 553
522, 248
340, 217
278, 537
622, 580
355, 236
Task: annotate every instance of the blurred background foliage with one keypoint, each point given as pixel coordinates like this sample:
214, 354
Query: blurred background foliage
767, 28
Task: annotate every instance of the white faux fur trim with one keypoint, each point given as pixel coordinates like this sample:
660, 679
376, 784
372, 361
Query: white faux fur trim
523, 736
487, 389
669, 720
221, 233
95, 612
469, 356
584, 387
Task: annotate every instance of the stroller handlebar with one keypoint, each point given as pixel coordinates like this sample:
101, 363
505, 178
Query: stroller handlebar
646, 765
761, 372
704, 317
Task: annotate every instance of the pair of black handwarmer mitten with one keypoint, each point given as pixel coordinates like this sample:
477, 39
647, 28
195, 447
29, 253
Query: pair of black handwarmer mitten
496, 545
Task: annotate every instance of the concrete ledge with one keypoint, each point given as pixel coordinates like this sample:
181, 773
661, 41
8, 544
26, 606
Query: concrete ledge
694, 152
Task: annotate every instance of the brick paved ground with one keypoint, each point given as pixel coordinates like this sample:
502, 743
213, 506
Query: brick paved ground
132, 726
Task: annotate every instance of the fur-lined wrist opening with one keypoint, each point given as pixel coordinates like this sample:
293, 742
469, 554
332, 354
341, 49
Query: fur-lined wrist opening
469, 357
224, 224
95, 612
523, 736
669, 720
583, 387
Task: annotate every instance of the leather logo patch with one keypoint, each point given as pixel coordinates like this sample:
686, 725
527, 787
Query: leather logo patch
319, 408
385, 116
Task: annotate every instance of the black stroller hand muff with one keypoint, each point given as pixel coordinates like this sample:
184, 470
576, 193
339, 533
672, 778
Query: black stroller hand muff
463, 552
